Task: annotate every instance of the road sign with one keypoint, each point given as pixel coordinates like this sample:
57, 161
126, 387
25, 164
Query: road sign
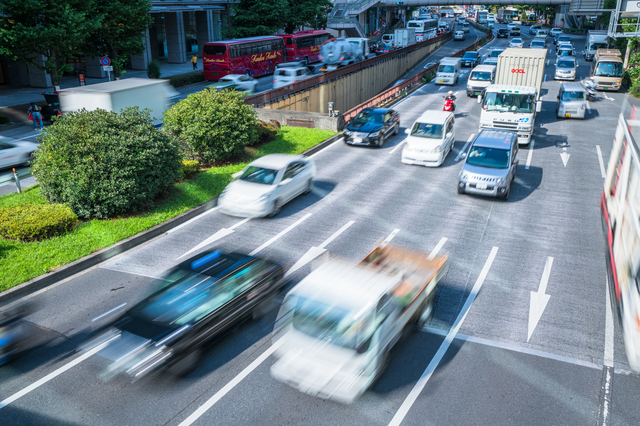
105, 61
107, 68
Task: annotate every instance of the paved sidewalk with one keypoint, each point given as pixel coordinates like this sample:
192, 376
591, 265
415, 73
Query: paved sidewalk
14, 100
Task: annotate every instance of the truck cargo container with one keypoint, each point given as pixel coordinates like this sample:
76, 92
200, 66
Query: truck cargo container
156, 95
404, 37
513, 102
596, 39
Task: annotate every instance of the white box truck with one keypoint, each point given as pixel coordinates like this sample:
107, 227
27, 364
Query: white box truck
513, 101
336, 327
596, 39
404, 37
156, 95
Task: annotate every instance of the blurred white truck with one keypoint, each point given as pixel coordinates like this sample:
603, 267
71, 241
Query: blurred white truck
336, 328
156, 95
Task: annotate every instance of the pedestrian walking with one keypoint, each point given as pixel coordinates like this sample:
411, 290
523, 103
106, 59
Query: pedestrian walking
34, 109
194, 61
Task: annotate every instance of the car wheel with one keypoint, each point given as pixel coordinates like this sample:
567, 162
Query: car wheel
29, 159
247, 73
380, 140
397, 130
276, 209
309, 187
460, 189
186, 364
506, 194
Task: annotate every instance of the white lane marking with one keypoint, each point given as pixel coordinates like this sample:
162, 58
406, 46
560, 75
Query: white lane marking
314, 252
280, 235
108, 312
53, 375
565, 156
437, 248
588, 106
606, 397
603, 172
422, 382
441, 88
390, 237
547, 62
607, 97
19, 139
530, 155
395, 148
215, 237
539, 299
514, 348
464, 148
201, 215
608, 330
229, 386
326, 147
545, 78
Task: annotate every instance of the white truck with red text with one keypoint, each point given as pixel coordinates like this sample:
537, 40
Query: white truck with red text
336, 328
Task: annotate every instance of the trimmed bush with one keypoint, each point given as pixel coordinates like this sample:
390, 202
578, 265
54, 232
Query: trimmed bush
185, 79
267, 132
212, 126
29, 222
102, 163
4, 120
153, 69
189, 167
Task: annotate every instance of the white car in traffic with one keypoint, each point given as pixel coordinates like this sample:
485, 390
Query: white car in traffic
285, 76
430, 139
267, 184
516, 42
16, 153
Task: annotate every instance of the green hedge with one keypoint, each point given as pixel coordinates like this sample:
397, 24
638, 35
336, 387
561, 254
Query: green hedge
32, 222
189, 167
185, 79
4, 120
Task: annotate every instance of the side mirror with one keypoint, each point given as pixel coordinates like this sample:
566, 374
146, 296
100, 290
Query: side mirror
285, 181
479, 99
538, 106
449, 135
364, 346
463, 154
237, 175
516, 161
407, 131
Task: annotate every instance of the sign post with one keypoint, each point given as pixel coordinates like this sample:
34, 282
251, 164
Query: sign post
106, 65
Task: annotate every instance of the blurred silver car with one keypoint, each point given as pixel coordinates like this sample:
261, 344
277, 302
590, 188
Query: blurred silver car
242, 82
572, 101
267, 184
517, 43
286, 76
16, 153
566, 68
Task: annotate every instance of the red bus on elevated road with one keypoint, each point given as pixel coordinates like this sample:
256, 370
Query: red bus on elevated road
305, 45
253, 56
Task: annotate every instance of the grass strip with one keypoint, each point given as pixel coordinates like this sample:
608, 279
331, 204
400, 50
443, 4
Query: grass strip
20, 262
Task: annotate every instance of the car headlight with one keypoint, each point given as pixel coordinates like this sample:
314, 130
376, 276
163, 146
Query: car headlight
224, 192
499, 181
374, 134
525, 128
263, 198
437, 149
347, 132
464, 176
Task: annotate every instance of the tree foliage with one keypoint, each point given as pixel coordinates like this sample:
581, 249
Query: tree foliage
265, 17
303, 13
212, 126
33, 29
102, 163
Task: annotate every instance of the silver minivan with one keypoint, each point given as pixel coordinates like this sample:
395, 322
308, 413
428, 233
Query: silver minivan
490, 165
572, 101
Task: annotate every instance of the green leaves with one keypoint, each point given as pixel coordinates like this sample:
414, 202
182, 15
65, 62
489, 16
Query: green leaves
29, 222
265, 17
212, 126
101, 163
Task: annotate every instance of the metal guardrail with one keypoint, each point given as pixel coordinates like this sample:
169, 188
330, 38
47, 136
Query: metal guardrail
401, 88
15, 177
275, 95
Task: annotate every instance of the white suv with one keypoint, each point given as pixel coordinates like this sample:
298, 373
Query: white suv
285, 76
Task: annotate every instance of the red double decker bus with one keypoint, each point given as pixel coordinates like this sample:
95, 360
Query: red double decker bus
305, 45
254, 56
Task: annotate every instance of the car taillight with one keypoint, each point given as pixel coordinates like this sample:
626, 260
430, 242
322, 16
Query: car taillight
320, 57
342, 59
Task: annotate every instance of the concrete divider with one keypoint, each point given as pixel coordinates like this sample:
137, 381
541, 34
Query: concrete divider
314, 120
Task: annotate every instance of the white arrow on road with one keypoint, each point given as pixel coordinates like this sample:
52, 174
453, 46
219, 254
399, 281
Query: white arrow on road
539, 299
314, 252
607, 98
565, 156
215, 237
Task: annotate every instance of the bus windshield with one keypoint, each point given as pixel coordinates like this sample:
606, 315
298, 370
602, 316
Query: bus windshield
608, 69
215, 49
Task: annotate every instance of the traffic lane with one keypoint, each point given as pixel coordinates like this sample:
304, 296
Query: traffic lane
624, 391
502, 387
251, 400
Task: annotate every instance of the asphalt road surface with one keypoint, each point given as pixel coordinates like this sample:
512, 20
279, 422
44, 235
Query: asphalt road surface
476, 364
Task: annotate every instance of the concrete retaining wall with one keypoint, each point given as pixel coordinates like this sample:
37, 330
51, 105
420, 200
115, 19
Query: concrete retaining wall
352, 89
314, 120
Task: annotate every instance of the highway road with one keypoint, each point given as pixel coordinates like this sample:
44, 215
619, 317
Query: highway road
481, 360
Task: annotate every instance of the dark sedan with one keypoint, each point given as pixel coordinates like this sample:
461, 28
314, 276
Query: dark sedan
196, 303
470, 59
372, 127
503, 32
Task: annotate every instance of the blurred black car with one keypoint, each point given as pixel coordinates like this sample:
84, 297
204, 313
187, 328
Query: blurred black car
14, 335
470, 59
372, 126
52, 109
503, 32
196, 303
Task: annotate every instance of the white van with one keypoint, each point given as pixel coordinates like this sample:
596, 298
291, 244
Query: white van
448, 71
285, 76
387, 39
479, 78
430, 139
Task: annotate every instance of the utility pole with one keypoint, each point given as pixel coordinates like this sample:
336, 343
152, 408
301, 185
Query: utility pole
229, 11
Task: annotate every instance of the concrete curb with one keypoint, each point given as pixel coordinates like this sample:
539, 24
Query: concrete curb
93, 259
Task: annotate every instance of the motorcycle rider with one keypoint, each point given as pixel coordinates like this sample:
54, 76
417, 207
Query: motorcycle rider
450, 98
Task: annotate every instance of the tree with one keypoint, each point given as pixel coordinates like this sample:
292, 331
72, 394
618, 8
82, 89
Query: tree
212, 126
33, 29
120, 34
102, 163
258, 17
303, 13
